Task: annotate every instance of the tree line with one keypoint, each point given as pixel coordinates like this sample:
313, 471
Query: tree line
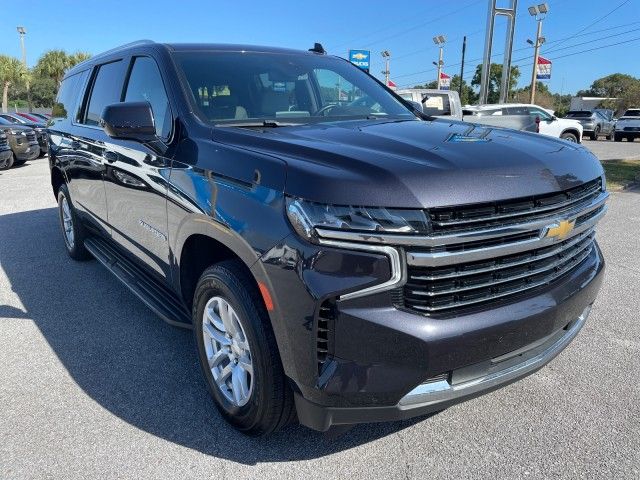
625, 89
41, 82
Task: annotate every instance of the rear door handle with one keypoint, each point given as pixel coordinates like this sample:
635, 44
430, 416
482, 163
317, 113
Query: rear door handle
110, 156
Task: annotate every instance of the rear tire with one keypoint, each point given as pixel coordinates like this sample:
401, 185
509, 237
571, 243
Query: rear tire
569, 137
617, 138
8, 163
73, 232
630, 138
257, 401
594, 134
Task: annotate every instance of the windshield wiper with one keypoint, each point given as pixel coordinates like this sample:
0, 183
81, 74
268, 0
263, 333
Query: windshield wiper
262, 123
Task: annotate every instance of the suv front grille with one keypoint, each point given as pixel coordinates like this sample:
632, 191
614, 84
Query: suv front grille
3, 140
489, 215
480, 254
443, 289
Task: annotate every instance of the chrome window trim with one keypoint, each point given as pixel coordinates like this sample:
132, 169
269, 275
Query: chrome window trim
463, 236
396, 264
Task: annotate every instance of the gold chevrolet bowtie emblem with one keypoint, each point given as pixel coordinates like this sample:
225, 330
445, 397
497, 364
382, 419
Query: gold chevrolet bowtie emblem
561, 229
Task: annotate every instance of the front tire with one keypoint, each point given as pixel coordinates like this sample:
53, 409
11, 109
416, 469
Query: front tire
73, 231
594, 134
238, 352
8, 163
617, 138
569, 137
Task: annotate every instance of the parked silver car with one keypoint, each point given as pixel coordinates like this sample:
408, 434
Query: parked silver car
594, 123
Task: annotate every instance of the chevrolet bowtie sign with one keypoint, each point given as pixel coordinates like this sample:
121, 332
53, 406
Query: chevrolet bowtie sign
360, 58
560, 230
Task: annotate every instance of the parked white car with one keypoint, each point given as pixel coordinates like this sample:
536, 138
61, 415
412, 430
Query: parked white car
521, 116
628, 126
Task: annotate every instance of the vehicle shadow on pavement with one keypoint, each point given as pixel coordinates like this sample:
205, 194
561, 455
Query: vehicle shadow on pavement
127, 359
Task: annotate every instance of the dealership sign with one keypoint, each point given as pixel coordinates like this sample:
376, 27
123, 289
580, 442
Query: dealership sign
445, 81
543, 72
360, 58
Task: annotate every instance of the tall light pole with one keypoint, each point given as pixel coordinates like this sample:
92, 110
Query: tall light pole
539, 12
386, 54
440, 41
22, 32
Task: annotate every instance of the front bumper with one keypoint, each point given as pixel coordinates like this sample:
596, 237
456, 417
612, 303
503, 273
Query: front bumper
459, 385
390, 364
26, 151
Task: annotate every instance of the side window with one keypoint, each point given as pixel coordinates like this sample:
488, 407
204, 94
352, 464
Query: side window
536, 112
66, 99
107, 88
145, 84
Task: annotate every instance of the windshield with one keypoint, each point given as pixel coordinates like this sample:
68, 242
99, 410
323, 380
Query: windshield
236, 87
579, 114
632, 113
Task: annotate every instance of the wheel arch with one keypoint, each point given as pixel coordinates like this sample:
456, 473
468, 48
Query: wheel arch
573, 131
57, 180
200, 243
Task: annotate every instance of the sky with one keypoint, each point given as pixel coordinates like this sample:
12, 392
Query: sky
586, 39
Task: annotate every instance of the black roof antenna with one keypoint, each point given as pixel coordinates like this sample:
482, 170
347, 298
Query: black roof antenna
318, 48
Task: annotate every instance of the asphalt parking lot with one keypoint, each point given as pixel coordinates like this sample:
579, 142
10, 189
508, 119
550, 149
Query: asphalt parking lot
92, 384
607, 150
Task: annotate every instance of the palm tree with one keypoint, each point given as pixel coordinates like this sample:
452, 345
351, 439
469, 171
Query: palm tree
12, 72
53, 64
78, 57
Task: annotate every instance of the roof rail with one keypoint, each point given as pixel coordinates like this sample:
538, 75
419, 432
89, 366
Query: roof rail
126, 45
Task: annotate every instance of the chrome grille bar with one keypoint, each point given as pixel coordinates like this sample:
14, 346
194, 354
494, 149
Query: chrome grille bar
495, 281
583, 237
571, 263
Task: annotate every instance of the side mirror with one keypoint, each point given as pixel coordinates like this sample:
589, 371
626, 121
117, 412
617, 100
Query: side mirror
553, 118
129, 121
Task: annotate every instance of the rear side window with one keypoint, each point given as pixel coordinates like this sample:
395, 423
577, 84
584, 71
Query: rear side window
107, 89
145, 84
65, 105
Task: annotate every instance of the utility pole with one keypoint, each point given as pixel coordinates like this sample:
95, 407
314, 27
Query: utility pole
508, 11
464, 49
386, 54
22, 32
539, 12
440, 41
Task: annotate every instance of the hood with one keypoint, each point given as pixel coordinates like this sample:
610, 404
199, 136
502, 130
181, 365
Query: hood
15, 126
416, 164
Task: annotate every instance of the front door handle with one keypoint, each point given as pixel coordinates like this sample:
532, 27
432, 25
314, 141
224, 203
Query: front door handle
110, 156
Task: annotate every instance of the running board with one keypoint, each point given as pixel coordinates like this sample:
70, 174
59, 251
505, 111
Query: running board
156, 296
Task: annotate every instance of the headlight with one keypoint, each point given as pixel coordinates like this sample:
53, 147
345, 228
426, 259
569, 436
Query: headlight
306, 216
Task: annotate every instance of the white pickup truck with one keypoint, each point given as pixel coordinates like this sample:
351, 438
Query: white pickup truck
436, 103
628, 126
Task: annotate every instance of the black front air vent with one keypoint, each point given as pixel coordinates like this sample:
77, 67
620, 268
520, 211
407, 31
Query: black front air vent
324, 333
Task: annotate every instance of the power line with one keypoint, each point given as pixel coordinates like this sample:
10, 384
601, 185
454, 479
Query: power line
555, 49
598, 20
407, 30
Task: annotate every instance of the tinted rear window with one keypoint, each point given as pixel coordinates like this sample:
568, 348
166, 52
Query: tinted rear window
67, 97
579, 113
107, 89
632, 113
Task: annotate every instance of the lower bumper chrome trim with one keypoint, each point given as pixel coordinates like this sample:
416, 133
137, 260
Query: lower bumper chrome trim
443, 391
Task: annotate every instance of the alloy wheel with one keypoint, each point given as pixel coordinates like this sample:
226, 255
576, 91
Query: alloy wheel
227, 350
